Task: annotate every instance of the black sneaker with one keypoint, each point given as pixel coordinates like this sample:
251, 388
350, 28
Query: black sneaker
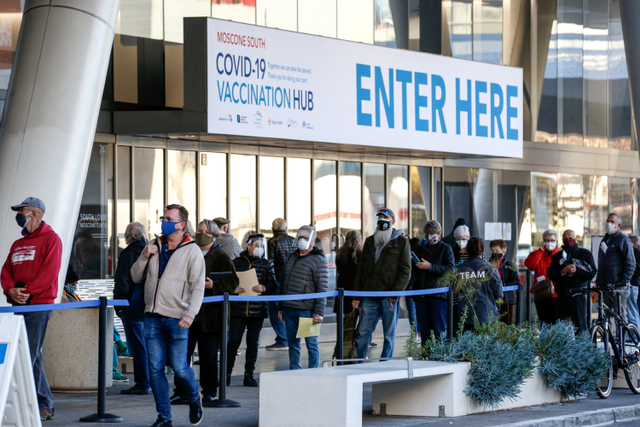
373, 344
277, 347
136, 390
249, 380
162, 422
176, 399
195, 412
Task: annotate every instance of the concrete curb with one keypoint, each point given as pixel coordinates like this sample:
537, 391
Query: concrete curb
601, 417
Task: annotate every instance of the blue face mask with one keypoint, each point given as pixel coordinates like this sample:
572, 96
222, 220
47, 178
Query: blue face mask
169, 228
21, 220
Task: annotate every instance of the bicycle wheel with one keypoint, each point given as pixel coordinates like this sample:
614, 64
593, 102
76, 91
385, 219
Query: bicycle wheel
631, 357
600, 338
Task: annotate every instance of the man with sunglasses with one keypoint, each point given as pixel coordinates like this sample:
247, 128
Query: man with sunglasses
385, 266
174, 287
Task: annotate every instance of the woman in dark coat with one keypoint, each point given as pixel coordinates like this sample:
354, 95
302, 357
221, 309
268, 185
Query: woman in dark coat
349, 256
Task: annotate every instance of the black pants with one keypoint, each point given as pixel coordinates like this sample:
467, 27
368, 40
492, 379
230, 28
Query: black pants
574, 308
208, 346
253, 325
547, 310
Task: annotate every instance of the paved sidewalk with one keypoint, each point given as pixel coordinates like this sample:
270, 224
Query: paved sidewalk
622, 406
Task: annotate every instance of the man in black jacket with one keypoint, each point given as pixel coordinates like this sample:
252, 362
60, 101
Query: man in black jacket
304, 273
572, 269
279, 248
132, 317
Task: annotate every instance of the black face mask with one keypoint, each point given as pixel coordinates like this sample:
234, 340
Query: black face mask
383, 224
495, 257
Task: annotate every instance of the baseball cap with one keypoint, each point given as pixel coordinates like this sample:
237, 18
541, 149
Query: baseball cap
30, 201
386, 212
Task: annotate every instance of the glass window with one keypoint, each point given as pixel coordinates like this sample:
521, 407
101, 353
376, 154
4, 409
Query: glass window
487, 31
10, 21
595, 55
461, 28
271, 192
374, 194
213, 186
420, 198
513, 204
548, 114
242, 196
298, 193
437, 194
458, 198
350, 197
355, 20
635, 197
398, 193
141, 19
282, 14
570, 204
174, 13
318, 18
90, 251
485, 207
388, 15
596, 207
238, 11
619, 96
414, 25
570, 72
324, 203
620, 201
123, 208
125, 69
544, 205
149, 188
181, 181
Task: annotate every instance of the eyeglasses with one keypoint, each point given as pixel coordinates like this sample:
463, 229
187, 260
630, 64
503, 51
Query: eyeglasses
169, 219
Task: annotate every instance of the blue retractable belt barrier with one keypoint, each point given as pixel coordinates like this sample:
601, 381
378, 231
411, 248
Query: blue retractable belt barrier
392, 294
62, 306
283, 297
511, 288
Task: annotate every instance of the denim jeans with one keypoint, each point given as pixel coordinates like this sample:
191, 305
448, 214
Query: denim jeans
277, 324
411, 309
632, 307
374, 309
432, 317
161, 334
134, 331
36, 323
291, 320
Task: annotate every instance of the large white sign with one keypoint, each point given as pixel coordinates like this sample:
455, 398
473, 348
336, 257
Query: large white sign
278, 84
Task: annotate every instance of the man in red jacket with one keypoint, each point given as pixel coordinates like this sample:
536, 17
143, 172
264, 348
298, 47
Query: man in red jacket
30, 276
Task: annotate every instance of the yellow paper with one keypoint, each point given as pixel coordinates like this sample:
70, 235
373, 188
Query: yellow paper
306, 328
248, 279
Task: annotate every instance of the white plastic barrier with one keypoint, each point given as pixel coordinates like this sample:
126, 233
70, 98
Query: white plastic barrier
18, 399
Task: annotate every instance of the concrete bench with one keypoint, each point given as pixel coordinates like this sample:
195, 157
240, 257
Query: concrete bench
332, 396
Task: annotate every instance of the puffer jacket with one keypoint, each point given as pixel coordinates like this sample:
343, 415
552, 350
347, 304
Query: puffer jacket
442, 261
392, 270
305, 275
217, 261
279, 248
618, 263
567, 284
266, 277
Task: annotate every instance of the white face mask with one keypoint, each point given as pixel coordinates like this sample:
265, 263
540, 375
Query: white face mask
462, 243
550, 245
258, 252
610, 227
303, 244
432, 239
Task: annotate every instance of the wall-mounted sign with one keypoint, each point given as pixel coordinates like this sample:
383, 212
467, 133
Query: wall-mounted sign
271, 83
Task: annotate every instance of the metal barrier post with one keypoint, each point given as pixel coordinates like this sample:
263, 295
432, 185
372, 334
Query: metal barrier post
450, 325
340, 326
518, 318
528, 295
101, 416
223, 402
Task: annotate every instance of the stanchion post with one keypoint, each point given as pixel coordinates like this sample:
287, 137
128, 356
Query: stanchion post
101, 416
340, 325
450, 324
222, 401
528, 296
519, 304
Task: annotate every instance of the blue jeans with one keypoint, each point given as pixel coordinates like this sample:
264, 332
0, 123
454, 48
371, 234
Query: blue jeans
632, 307
432, 317
277, 324
162, 334
374, 309
134, 330
36, 323
411, 309
291, 316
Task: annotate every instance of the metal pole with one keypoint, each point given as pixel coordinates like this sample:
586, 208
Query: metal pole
340, 325
223, 402
101, 416
518, 318
528, 295
450, 325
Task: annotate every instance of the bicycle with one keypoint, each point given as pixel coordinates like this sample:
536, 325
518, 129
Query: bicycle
624, 349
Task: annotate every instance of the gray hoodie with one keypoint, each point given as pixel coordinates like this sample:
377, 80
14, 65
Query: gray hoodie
229, 244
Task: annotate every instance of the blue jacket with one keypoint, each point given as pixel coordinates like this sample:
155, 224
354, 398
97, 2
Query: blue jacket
489, 285
619, 263
442, 261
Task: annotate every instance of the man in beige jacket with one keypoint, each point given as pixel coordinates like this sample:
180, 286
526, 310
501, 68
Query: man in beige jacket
173, 292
